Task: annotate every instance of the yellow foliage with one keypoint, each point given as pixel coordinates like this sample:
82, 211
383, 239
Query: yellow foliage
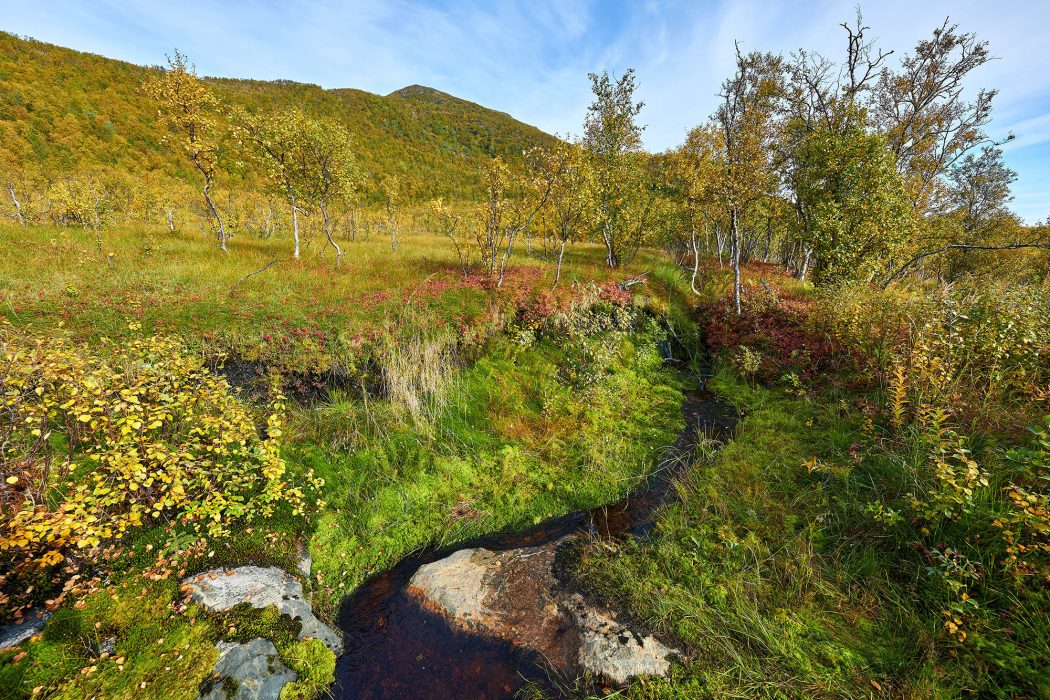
94, 446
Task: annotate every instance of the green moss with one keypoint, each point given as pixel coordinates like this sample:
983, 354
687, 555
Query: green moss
314, 665
161, 653
243, 623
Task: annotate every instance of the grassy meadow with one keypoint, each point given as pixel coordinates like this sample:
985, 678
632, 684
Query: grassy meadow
816, 554
439, 411
837, 258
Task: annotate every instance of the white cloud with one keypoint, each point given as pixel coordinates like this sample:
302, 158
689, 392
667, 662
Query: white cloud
531, 58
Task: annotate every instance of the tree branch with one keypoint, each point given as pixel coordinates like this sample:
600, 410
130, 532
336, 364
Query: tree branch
958, 246
261, 269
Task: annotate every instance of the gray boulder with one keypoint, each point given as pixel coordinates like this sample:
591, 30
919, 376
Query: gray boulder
15, 634
610, 649
221, 589
251, 671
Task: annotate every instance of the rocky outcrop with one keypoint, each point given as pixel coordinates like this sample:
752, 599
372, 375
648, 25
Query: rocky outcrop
514, 596
251, 671
221, 589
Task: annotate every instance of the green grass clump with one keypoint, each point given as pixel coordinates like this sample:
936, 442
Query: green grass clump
514, 443
743, 574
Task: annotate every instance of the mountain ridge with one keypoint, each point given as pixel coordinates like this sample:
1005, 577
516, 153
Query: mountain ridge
63, 110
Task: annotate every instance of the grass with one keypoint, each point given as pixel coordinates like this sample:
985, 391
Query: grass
513, 446
178, 283
484, 421
773, 578
743, 574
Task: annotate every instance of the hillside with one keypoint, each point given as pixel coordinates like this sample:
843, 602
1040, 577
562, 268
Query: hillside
62, 110
766, 415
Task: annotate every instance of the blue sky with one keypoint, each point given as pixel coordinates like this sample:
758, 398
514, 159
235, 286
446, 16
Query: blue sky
530, 58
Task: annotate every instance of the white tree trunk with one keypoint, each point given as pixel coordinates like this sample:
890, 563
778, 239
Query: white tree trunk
805, 265
328, 234
295, 227
735, 232
561, 255
215, 213
696, 260
18, 206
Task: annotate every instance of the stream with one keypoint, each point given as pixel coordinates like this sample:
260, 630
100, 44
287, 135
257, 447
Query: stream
395, 648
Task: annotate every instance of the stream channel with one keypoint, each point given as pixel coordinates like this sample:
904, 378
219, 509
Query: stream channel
396, 648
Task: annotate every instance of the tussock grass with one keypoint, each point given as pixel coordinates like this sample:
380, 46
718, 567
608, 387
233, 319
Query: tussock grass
419, 366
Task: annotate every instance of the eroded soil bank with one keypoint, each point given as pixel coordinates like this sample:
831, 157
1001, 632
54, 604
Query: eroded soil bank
400, 644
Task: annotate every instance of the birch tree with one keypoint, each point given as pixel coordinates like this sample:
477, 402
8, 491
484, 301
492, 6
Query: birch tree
323, 167
190, 112
571, 193
277, 141
695, 167
613, 140
744, 120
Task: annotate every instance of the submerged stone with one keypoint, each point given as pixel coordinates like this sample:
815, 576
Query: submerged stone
514, 596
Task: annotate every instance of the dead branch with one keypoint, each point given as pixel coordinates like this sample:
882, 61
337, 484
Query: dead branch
627, 284
261, 269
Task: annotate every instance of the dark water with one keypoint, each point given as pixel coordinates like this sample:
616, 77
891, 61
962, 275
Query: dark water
397, 649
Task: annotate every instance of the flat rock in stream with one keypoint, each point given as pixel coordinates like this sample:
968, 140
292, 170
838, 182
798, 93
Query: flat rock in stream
221, 589
514, 596
251, 671
455, 586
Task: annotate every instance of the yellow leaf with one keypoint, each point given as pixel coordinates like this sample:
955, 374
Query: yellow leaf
12, 479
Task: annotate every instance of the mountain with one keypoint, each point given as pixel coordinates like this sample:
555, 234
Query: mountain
63, 110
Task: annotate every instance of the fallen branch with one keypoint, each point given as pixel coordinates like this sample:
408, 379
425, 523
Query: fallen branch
958, 246
261, 269
627, 284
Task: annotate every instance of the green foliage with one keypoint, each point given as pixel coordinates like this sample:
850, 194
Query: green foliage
968, 350
853, 206
613, 140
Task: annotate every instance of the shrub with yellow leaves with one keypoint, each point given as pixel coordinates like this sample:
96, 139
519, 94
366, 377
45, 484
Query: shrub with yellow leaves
91, 446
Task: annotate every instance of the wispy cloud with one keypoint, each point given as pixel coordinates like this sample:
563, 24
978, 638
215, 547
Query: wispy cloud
530, 58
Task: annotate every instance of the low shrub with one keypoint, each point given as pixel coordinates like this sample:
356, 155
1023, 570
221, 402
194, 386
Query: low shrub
93, 446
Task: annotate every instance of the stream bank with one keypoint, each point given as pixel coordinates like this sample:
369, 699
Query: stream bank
406, 634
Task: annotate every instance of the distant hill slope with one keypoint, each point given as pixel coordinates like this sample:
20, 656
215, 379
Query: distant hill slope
63, 110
